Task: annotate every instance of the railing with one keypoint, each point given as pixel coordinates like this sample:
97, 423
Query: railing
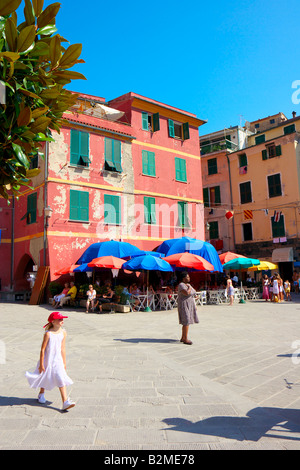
217, 146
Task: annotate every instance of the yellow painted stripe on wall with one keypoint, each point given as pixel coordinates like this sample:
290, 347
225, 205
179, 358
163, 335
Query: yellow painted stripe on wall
166, 149
23, 239
169, 196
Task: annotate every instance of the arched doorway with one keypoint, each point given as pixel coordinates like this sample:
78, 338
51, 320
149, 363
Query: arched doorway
25, 266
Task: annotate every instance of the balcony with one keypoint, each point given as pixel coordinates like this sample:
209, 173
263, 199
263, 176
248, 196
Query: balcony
211, 147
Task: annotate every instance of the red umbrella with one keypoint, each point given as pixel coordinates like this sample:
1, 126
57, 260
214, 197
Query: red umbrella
107, 262
189, 260
228, 256
67, 270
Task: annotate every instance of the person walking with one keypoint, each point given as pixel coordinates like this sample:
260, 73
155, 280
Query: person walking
230, 290
265, 285
187, 311
50, 371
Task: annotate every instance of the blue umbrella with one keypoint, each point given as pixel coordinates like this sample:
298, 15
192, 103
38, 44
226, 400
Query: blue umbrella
148, 262
152, 253
191, 245
108, 248
83, 268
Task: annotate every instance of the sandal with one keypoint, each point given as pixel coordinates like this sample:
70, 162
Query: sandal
187, 342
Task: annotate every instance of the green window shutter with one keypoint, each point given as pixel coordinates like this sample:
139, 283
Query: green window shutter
117, 155
274, 183
264, 154
183, 219
75, 147
260, 139
217, 195
109, 159
186, 131
180, 169
74, 205
278, 150
171, 128
151, 164
149, 210
112, 209
243, 160
145, 162
84, 147
212, 166
213, 230
289, 129
155, 122
278, 229
84, 206
206, 197
31, 208
145, 122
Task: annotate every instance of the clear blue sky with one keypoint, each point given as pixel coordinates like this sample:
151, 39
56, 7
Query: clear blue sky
218, 59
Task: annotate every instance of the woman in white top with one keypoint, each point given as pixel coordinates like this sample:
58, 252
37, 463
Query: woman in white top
275, 288
91, 293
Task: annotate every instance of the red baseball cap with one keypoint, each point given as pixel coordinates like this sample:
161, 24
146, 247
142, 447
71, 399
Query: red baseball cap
54, 316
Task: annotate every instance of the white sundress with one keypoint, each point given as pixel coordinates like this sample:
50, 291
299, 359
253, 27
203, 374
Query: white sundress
55, 374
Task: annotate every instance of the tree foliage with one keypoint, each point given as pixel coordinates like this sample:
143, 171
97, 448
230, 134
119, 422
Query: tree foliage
34, 68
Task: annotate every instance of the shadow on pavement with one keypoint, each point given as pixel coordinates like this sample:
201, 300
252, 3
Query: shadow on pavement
258, 423
17, 401
147, 340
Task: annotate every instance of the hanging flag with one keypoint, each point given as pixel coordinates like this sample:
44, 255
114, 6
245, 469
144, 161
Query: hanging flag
229, 214
248, 214
277, 215
266, 211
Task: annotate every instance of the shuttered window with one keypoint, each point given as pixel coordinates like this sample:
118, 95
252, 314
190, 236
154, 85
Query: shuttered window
31, 208
148, 161
113, 155
278, 229
245, 192
178, 130
79, 205
183, 219
274, 184
112, 209
79, 148
180, 170
149, 210
150, 122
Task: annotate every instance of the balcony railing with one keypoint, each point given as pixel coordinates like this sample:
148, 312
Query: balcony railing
217, 146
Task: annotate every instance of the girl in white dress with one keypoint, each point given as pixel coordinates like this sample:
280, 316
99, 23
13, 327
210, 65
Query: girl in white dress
50, 371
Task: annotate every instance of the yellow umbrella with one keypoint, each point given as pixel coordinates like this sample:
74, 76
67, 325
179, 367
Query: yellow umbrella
264, 266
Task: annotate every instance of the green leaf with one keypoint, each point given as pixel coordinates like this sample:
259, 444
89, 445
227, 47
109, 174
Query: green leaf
8, 6
71, 55
38, 7
55, 50
29, 13
46, 17
26, 38
10, 56
69, 75
11, 34
47, 30
20, 155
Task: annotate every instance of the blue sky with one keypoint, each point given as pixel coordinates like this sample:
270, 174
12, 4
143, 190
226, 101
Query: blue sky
227, 62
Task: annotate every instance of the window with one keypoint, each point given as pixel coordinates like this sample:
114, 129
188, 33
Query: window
212, 166
183, 219
272, 121
289, 129
274, 185
79, 205
271, 151
148, 161
211, 196
178, 130
256, 126
278, 229
30, 215
243, 160
247, 232
245, 192
180, 170
213, 230
150, 122
149, 210
260, 139
34, 162
79, 148
113, 155
112, 209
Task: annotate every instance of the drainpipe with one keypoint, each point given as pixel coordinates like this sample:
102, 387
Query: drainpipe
45, 201
12, 248
231, 201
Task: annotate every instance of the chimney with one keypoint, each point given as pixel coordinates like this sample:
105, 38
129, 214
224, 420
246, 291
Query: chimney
294, 114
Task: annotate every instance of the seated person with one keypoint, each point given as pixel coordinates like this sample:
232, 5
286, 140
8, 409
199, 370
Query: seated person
91, 294
135, 292
105, 298
57, 298
71, 295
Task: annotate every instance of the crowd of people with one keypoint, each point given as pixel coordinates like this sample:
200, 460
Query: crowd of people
275, 289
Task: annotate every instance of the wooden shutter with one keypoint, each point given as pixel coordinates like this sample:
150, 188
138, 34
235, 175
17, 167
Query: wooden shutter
171, 128
177, 169
155, 122
116, 203
145, 121
84, 147
75, 147
206, 197
264, 154
74, 205
217, 195
117, 155
31, 208
151, 164
186, 131
83, 206
109, 159
107, 209
278, 150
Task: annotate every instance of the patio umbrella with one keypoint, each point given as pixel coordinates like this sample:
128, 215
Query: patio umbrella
228, 256
189, 260
264, 266
106, 262
108, 248
66, 270
241, 263
192, 245
147, 263
82, 268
